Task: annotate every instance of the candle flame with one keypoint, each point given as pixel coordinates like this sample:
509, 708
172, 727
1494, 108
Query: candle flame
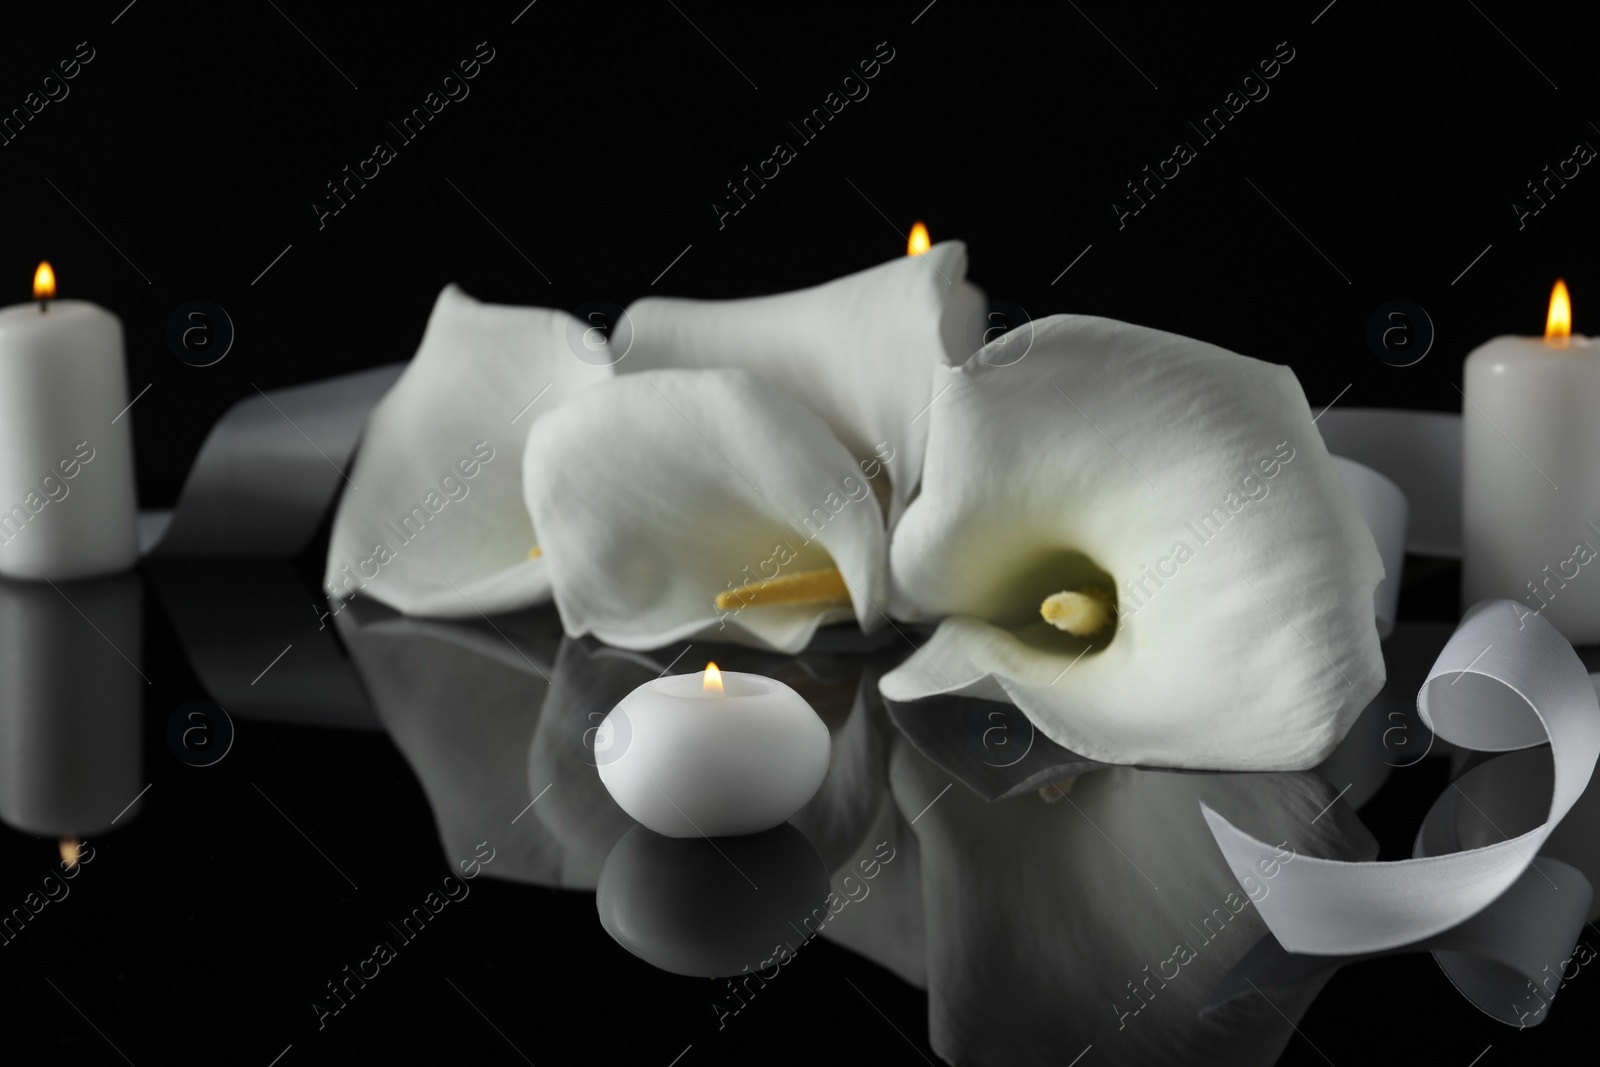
69, 851
1558, 325
919, 241
711, 681
44, 281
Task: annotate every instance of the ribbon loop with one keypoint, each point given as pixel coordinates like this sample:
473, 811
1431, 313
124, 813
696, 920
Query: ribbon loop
1506, 680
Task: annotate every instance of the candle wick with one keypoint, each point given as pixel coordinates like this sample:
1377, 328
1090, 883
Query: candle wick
43, 304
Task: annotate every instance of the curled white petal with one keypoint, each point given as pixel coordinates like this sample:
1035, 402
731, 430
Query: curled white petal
859, 350
1193, 482
432, 520
656, 492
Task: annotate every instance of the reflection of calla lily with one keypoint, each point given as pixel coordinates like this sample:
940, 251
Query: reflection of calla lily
433, 521
859, 351
1046, 930
888, 927
701, 504
574, 805
461, 703
846, 804
1141, 541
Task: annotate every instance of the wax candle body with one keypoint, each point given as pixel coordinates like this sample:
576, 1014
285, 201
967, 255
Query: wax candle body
1531, 480
67, 505
688, 762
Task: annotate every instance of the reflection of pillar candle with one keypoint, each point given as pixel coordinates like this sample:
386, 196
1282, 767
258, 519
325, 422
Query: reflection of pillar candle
70, 737
66, 450
1530, 486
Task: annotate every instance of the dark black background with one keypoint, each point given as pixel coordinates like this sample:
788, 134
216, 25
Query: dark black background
196, 139
198, 135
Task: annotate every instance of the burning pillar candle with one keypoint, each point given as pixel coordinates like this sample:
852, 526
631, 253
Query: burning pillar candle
1530, 483
67, 505
713, 754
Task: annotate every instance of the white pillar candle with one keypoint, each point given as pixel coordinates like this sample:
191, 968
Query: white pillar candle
1530, 480
67, 506
712, 754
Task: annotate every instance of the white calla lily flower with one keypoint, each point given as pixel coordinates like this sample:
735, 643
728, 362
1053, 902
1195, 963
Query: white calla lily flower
432, 522
1141, 541
859, 350
702, 505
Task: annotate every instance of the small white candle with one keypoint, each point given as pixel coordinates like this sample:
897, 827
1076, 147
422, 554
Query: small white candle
1530, 482
67, 506
712, 754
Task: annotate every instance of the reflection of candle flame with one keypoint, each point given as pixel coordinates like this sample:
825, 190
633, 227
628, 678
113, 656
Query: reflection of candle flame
44, 283
919, 241
711, 681
69, 851
1558, 326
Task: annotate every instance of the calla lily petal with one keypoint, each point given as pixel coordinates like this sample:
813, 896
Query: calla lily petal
1190, 482
432, 522
654, 493
859, 350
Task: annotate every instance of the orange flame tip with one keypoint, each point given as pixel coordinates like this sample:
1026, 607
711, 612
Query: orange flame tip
44, 281
1558, 324
919, 241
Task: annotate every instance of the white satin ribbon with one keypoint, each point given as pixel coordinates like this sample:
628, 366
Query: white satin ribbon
268, 471
1502, 683
1383, 505
1420, 451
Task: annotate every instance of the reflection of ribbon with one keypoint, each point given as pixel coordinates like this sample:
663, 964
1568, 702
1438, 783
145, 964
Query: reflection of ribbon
253, 636
1501, 959
1501, 683
264, 479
